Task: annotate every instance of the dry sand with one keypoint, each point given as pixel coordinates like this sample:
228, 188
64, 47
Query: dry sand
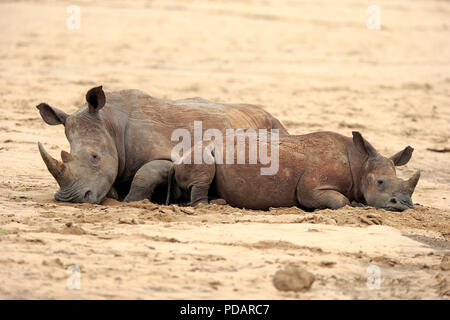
314, 66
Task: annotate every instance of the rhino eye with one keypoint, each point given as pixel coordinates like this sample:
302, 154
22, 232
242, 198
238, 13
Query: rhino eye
94, 156
380, 184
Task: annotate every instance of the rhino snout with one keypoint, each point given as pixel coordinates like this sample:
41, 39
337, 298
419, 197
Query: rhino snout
400, 203
81, 196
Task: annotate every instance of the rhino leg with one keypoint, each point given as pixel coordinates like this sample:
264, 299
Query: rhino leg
196, 177
147, 178
321, 198
199, 194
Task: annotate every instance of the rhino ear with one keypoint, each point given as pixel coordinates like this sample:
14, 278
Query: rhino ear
52, 116
401, 158
363, 145
96, 99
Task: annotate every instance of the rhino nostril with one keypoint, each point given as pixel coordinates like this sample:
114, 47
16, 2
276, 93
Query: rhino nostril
87, 195
393, 200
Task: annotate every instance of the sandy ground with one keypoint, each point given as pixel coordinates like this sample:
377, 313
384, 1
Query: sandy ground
313, 65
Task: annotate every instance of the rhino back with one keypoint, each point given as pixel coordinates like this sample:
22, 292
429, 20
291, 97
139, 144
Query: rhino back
243, 185
147, 123
321, 156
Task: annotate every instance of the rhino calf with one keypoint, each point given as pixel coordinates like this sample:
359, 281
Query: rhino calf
316, 171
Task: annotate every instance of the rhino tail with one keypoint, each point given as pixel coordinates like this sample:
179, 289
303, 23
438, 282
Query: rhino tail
169, 183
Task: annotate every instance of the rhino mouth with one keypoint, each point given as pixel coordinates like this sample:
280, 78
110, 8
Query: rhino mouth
78, 195
398, 209
401, 205
69, 194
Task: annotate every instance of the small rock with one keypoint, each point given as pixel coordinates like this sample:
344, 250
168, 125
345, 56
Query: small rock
165, 211
293, 278
445, 264
53, 263
175, 209
215, 284
385, 260
187, 210
327, 264
127, 221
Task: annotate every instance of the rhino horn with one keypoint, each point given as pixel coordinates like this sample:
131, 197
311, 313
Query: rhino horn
412, 182
56, 168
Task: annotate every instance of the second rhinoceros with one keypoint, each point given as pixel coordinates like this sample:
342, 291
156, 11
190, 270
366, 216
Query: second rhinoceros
117, 135
315, 171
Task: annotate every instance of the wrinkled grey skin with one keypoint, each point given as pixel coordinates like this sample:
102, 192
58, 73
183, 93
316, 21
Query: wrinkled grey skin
316, 171
118, 133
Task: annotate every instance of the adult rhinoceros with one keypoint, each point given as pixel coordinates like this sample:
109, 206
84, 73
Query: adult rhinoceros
117, 134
